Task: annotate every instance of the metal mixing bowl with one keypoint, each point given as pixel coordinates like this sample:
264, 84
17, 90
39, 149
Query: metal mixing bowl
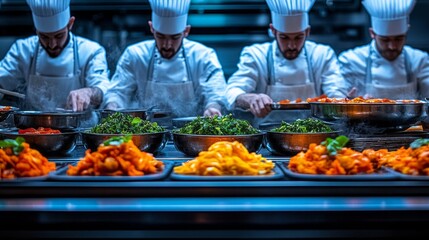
372, 115
54, 120
280, 143
192, 145
146, 142
48, 144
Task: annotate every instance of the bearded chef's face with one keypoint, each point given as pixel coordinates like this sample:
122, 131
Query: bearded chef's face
55, 42
168, 45
290, 44
390, 47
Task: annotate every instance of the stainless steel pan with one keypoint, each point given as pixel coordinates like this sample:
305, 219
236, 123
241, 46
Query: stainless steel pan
377, 115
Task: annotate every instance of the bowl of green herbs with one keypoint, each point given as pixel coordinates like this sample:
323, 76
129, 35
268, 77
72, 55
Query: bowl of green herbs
292, 138
147, 136
199, 134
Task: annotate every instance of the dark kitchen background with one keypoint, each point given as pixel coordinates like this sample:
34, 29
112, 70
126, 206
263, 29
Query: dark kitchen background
225, 25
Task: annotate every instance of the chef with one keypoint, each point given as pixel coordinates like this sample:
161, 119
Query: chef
289, 67
55, 69
170, 72
386, 67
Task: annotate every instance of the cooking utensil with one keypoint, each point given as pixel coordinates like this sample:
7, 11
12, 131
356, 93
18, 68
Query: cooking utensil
192, 144
287, 143
147, 142
11, 93
290, 106
48, 144
370, 115
55, 120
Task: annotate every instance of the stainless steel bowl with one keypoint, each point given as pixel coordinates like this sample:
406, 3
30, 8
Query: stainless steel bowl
372, 115
55, 120
147, 142
192, 145
5, 113
48, 144
280, 143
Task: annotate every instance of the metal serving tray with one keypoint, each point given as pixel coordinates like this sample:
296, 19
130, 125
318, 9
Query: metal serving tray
384, 174
62, 176
277, 174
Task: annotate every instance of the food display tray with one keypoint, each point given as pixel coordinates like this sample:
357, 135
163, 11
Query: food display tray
403, 176
60, 166
277, 174
61, 175
383, 174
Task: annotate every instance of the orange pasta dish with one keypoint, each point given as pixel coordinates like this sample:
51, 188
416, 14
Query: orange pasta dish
412, 161
17, 159
226, 158
118, 156
332, 158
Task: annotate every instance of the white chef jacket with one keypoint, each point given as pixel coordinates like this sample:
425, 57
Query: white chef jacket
409, 71
253, 71
15, 68
134, 69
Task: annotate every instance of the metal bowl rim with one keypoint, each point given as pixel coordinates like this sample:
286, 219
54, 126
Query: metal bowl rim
43, 113
367, 104
15, 133
121, 134
297, 133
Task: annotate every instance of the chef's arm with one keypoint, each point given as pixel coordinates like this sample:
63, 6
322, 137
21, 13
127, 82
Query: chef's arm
80, 99
258, 104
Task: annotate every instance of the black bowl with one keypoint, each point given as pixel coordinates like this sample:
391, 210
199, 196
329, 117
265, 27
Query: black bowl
54, 120
146, 142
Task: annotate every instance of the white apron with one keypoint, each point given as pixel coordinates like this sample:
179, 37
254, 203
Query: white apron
278, 91
404, 91
169, 85
46, 93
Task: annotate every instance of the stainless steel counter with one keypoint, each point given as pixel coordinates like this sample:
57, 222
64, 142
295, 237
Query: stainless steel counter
283, 208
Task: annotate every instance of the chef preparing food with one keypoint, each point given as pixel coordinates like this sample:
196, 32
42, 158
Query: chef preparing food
169, 72
290, 67
386, 67
55, 69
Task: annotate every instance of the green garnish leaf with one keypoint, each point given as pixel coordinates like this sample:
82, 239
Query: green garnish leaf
116, 141
334, 145
16, 144
419, 142
309, 125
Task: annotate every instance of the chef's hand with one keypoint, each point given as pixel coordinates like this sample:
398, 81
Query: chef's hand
80, 99
212, 110
257, 103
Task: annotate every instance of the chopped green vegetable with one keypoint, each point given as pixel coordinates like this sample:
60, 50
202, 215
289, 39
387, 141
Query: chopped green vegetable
16, 144
334, 145
419, 143
116, 141
120, 123
310, 125
224, 125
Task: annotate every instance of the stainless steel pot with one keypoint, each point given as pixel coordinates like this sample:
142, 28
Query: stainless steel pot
192, 144
5, 113
55, 120
371, 115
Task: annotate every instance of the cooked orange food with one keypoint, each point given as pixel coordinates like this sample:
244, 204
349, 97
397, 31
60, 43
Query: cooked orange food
412, 161
5, 108
323, 159
17, 159
360, 99
40, 130
118, 156
226, 158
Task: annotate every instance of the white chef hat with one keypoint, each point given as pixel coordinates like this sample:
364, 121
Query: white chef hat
389, 17
169, 16
290, 16
50, 15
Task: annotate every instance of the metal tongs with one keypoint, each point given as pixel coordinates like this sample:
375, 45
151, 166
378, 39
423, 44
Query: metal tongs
11, 93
